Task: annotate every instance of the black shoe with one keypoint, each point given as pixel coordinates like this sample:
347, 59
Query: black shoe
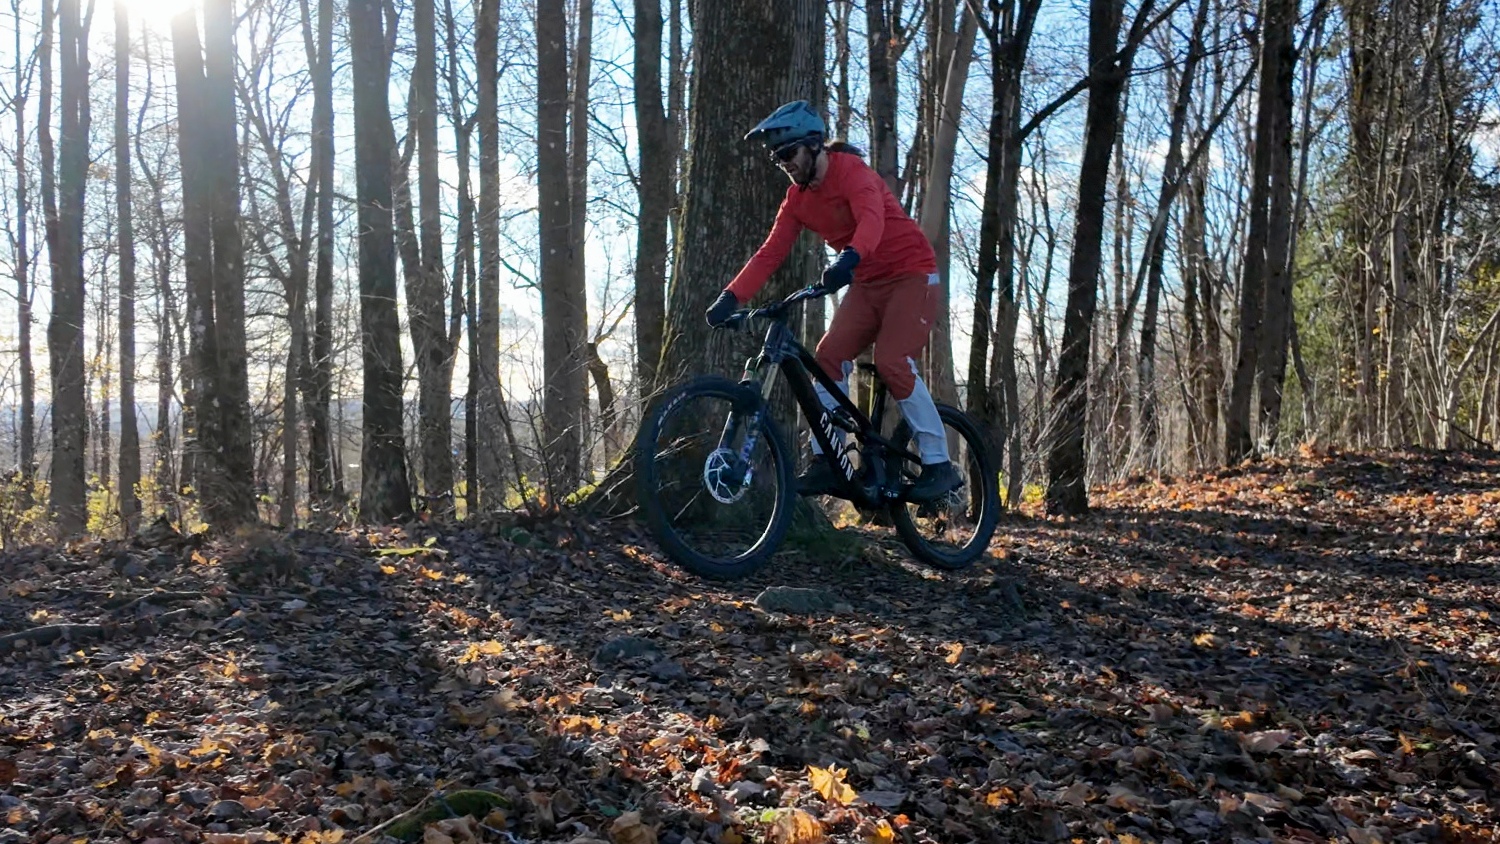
819, 479
938, 479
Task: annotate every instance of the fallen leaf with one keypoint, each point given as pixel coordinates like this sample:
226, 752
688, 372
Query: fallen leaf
878, 832
829, 782
629, 829
1265, 741
1264, 802
1123, 798
795, 827
1076, 794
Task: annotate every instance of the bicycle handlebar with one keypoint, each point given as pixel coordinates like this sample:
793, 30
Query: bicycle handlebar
775, 309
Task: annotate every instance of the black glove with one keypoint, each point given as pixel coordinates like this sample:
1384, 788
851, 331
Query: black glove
722, 309
841, 272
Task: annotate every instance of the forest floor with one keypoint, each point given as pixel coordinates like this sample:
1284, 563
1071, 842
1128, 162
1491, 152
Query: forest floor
1295, 651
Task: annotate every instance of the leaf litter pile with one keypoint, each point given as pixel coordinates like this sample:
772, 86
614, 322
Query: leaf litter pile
1295, 651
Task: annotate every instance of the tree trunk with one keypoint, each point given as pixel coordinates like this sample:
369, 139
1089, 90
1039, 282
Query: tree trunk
22, 249
462, 305
130, 442
883, 94
232, 500
1156, 245
201, 432
489, 403
65, 329
1275, 331
384, 492
564, 307
422, 258
655, 192
993, 392
946, 104
742, 59
1299, 210
1239, 435
163, 469
843, 11
1109, 67
317, 388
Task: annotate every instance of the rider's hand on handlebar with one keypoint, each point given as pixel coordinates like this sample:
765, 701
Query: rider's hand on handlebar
722, 309
841, 272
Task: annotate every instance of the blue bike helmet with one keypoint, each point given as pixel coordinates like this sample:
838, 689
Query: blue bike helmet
793, 122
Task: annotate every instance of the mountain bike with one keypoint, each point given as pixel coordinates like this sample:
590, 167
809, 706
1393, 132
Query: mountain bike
715, 477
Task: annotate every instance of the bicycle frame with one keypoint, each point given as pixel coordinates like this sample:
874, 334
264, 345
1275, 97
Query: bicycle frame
780, 352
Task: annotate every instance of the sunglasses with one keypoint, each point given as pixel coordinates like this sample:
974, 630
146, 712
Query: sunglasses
786, 152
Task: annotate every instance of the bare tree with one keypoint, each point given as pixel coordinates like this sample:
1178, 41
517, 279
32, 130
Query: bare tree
422, 260
159, 234
220, 437
1277, 314
564, 307
21, 248
655, 191
462, 306
384, 493
1264, 270
490, 404
1156, 244
950, 56
323, 468
130, 441
882, 17
65, 241
1109, 66
994, 396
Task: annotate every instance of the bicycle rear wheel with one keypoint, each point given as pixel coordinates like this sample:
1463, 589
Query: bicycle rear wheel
954, 531
715, 513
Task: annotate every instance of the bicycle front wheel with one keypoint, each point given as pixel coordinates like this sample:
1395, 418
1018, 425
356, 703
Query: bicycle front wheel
954, 531
714, 478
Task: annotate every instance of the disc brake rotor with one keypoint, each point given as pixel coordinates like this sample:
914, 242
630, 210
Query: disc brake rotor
720, 479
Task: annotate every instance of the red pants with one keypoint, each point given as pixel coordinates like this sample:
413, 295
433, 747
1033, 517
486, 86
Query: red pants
895, 314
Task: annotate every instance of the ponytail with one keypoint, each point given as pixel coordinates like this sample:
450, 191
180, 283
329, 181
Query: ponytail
844, 147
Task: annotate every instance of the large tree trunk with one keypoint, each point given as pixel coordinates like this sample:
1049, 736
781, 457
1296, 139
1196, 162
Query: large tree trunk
233, 501
743, 57
489, 404
1275, 329
1239, 434
883, 93
564, 306
22, 249
65, 329
1109, 66
384, 491
201, 424
130, 441
655, 192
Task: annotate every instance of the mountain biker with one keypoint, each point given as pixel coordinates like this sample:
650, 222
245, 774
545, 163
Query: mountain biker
886, 262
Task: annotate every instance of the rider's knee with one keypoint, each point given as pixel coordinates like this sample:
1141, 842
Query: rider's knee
898, 373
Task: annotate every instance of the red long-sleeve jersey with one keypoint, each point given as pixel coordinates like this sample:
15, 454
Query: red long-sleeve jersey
851, 207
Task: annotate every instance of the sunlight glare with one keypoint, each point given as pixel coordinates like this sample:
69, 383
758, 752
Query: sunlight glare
155, 14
